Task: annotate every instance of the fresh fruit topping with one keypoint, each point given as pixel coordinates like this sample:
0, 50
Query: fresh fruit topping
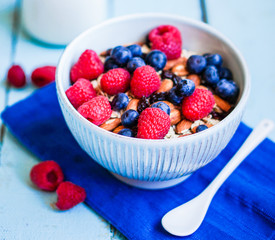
227, 90
135, 50
185, 87
43, 75
198, 105
201, 128
153, 123
88, 66
47, 175
129, 118
196, 64
214, 59
211, 75
110, 64
156, 59
163, 106
69, 195
143, 103
135, 63
120, 101
115, 81
145, 81
80, 92
174, 97
16, 76
121, 55
159, 96
97, 110
167, 39
126, 132
225, 73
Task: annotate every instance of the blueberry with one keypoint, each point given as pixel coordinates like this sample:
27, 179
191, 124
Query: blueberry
120, 101
110, 64
196, 64
126, 132
163, 106
167, 74
211, 75
129, 118
227, 90
225, 73
214, 59
156, 59
121, 55
185, 87
135, 50
201, 128
135, 63
173, 97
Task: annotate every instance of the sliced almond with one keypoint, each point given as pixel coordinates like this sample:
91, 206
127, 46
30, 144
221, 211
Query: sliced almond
224, 105
175, 116
171, 63
166, 85
111, 124
133, 104
117, 129
183, 125
180, 70
195, 78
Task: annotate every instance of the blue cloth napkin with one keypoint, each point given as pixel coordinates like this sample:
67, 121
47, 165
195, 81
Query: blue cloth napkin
244, 207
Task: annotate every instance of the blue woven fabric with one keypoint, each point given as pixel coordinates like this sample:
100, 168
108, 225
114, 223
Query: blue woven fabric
244, 207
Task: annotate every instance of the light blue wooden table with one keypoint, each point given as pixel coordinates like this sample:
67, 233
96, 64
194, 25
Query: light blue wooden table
25, 213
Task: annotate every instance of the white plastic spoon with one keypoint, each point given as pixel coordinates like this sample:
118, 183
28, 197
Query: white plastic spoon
186, 219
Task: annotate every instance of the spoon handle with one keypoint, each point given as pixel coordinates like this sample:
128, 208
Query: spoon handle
254, 139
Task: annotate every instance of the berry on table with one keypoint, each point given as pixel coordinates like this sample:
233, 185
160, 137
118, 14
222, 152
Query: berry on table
227, 90
135, 63
126, 132
110, 64
120, 101
121, 55
129, 118
145, 81
69, 195
47, 175
198, 105
156, 59
88, 66
115, 81
163, 106
211, 75
225, 73
196, 64
16, 76
43, 75
167, 39
153, 123
135, 50
185, 87
97, 110
81, 91
214, 59
201, 128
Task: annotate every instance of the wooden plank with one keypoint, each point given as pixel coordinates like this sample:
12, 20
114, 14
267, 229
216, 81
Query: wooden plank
250, 25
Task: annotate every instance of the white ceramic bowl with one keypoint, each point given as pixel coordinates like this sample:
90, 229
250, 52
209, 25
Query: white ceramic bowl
144, 163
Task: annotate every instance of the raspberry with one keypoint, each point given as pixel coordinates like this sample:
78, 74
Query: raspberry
198, 105
97, 110
82, 91
88, 66
43, 75
69, 195
153, 123
115, 81
167, 39
47, 175
145, 81
16, 76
